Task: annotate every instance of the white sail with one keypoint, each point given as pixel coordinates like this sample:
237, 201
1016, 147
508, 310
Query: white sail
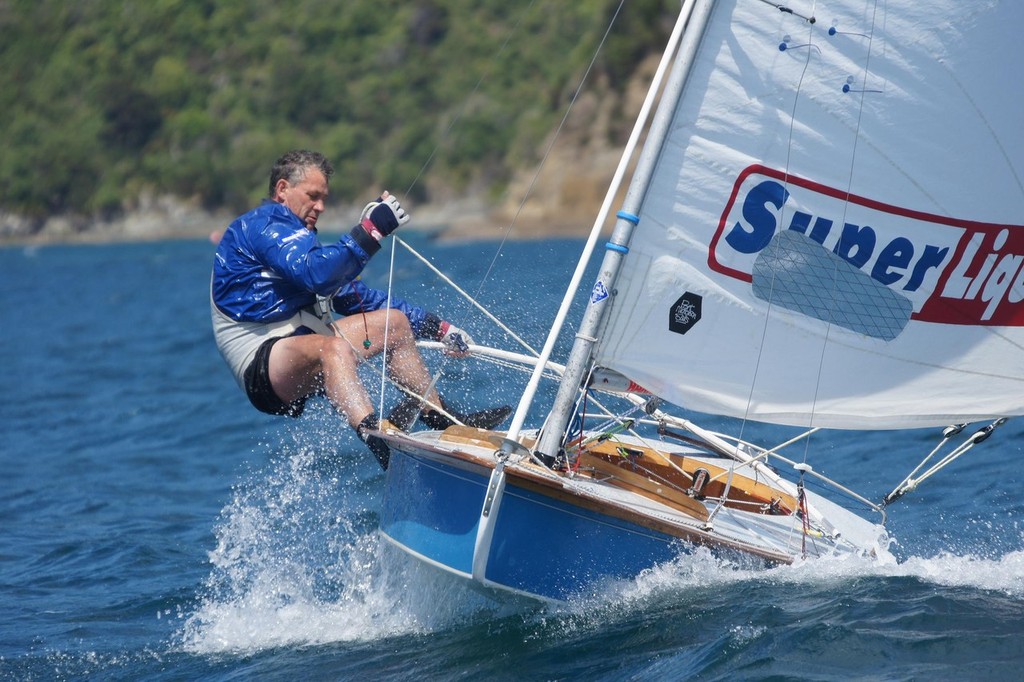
833, 236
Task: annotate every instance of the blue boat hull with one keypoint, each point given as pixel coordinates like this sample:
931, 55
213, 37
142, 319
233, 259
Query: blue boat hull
543, 544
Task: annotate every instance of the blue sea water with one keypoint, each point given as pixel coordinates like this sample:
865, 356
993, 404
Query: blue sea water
154, 526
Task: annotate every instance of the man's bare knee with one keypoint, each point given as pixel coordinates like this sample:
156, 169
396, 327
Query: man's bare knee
337, 353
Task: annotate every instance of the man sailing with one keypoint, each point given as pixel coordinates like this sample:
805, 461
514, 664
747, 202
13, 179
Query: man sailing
275, 287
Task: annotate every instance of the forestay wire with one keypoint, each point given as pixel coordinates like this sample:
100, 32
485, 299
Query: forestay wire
415, 181
527, 194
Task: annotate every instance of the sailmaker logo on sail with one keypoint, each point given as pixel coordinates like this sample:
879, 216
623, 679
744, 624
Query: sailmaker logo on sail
864, 265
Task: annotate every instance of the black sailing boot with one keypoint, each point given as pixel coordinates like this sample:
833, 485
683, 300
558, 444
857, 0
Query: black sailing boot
484, 419
403, 415
376, 444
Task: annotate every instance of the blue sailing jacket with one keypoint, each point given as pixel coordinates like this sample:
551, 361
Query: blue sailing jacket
269, 266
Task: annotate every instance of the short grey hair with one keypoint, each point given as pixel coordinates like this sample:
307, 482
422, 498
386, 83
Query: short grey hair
292, 166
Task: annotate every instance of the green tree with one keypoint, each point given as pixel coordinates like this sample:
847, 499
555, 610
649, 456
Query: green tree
105, 100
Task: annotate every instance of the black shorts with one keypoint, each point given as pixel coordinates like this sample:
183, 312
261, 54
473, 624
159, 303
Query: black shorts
261, 393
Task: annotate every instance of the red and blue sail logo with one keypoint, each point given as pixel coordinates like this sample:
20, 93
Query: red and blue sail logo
865, 265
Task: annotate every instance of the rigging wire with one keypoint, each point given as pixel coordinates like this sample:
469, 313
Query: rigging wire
469, 98
447, 280
849, 186
874, 22
529, 191
792, 121
415, 181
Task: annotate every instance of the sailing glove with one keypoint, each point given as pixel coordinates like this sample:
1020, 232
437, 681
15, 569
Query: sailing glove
455, 340
383, 216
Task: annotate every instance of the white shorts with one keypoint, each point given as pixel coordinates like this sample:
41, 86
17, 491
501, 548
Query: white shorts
239, 341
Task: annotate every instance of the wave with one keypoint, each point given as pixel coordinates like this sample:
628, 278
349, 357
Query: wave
299, 562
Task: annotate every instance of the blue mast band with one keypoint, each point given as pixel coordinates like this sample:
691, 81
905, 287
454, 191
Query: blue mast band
628, 216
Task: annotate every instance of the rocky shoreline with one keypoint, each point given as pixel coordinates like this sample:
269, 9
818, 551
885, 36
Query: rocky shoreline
173, 219
460, 219
564, 198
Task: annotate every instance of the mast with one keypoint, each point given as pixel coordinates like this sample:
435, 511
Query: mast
618, 245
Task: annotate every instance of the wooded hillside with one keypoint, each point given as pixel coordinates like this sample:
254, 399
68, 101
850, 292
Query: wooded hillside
104, 101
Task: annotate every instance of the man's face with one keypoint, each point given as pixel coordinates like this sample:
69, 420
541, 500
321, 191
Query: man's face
305, 198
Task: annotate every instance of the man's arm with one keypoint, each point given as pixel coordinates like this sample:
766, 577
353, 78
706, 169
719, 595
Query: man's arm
293, 252
357, 298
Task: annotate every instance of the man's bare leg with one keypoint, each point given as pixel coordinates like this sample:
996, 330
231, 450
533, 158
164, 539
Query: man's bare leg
406, 367
302, 365
404, 363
